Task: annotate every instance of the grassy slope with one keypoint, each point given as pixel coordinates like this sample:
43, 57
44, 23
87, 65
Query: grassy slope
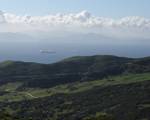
124, 95
13, 94
123, 98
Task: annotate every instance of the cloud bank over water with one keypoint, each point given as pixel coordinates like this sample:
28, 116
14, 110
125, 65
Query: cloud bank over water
82, 22
22, 37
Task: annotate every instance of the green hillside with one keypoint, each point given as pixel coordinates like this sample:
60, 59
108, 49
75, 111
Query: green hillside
80, 68
122, 97
100, 87
11, 91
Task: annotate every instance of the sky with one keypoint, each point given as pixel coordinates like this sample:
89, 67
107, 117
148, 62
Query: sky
111, 18
73, 27
104, 8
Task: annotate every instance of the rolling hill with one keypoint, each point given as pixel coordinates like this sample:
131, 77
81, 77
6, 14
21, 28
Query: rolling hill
100, 87
80, 68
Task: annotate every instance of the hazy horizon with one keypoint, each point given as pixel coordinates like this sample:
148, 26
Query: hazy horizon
113, 27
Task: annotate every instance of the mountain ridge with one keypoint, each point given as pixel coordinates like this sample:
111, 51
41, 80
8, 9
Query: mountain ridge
78, 68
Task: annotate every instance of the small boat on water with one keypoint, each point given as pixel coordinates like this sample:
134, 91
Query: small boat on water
47, 51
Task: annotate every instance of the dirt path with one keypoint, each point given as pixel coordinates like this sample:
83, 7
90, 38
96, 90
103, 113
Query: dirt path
29, 94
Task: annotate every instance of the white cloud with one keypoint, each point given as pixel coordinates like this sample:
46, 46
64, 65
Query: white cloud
76, 22
2, 17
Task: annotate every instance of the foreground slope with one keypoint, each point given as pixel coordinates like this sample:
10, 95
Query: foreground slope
126, 98
77, 88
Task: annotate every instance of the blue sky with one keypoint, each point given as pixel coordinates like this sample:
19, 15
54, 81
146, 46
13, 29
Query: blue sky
105, 8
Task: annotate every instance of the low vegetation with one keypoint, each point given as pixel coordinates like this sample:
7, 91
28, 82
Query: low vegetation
77, 88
